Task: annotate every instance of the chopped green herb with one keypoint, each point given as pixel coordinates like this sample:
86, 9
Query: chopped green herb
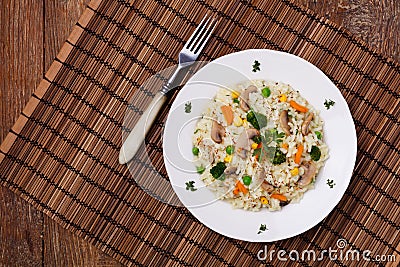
230, 149
256, 66
279, 157
236, 100
318, 134
190, 186
200, 169
331, 183
258, 120
188, 107
329, 103
196, 131
257, 152
262, 228
315, 153
218, 171
195, 151
257, 139
266, 92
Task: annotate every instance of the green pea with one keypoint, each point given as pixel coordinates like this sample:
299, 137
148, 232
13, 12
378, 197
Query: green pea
246, 179
195, 151
200, 169
236, 100
318, 134
266, 92
229, 149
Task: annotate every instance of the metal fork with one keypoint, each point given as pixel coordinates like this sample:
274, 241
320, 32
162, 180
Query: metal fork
187, 57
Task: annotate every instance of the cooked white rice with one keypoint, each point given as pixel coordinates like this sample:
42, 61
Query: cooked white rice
282, 177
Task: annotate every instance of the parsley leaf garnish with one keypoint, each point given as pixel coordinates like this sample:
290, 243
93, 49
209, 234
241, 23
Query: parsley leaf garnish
190, 186
256, 119
188, 107
262, 228
331, 183
329, 103
256, 66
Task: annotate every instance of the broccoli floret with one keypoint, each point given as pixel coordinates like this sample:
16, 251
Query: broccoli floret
315, 153
218, 171
279, 157
258, 120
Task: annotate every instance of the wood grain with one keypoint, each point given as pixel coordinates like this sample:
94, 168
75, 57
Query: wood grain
377, 22
63, 248
33, 31
20, 231
21, 68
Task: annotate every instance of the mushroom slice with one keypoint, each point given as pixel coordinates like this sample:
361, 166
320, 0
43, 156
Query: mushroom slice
284, 121
267, 187
207, 150
244, 142
230, 170
306, 124
284, 203
244, 97
310, 169
217, 132
259, 179
211, 156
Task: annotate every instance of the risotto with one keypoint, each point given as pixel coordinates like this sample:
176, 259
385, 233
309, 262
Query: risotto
259, 145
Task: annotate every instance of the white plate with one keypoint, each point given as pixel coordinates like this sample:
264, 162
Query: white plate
339, 132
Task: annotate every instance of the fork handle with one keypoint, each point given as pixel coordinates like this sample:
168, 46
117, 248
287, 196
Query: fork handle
138, 133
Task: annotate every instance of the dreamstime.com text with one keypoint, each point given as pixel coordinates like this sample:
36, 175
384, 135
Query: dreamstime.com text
333, 254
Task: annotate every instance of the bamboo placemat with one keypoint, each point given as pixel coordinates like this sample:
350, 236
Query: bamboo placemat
62, 153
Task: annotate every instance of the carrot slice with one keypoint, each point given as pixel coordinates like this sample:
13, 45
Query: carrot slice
228, 114
236, 191
297, 157
297, 106
279, 197
241, 187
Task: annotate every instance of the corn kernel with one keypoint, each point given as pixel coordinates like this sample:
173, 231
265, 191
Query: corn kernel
264, 200
254, 145
245, 122
237, 121
228, 158
282, 98
295, 171
235, 94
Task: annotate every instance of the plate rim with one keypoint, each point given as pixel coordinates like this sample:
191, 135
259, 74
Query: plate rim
353, 154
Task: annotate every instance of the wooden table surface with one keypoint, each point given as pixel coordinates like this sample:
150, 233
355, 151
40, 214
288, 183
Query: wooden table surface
32, 31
